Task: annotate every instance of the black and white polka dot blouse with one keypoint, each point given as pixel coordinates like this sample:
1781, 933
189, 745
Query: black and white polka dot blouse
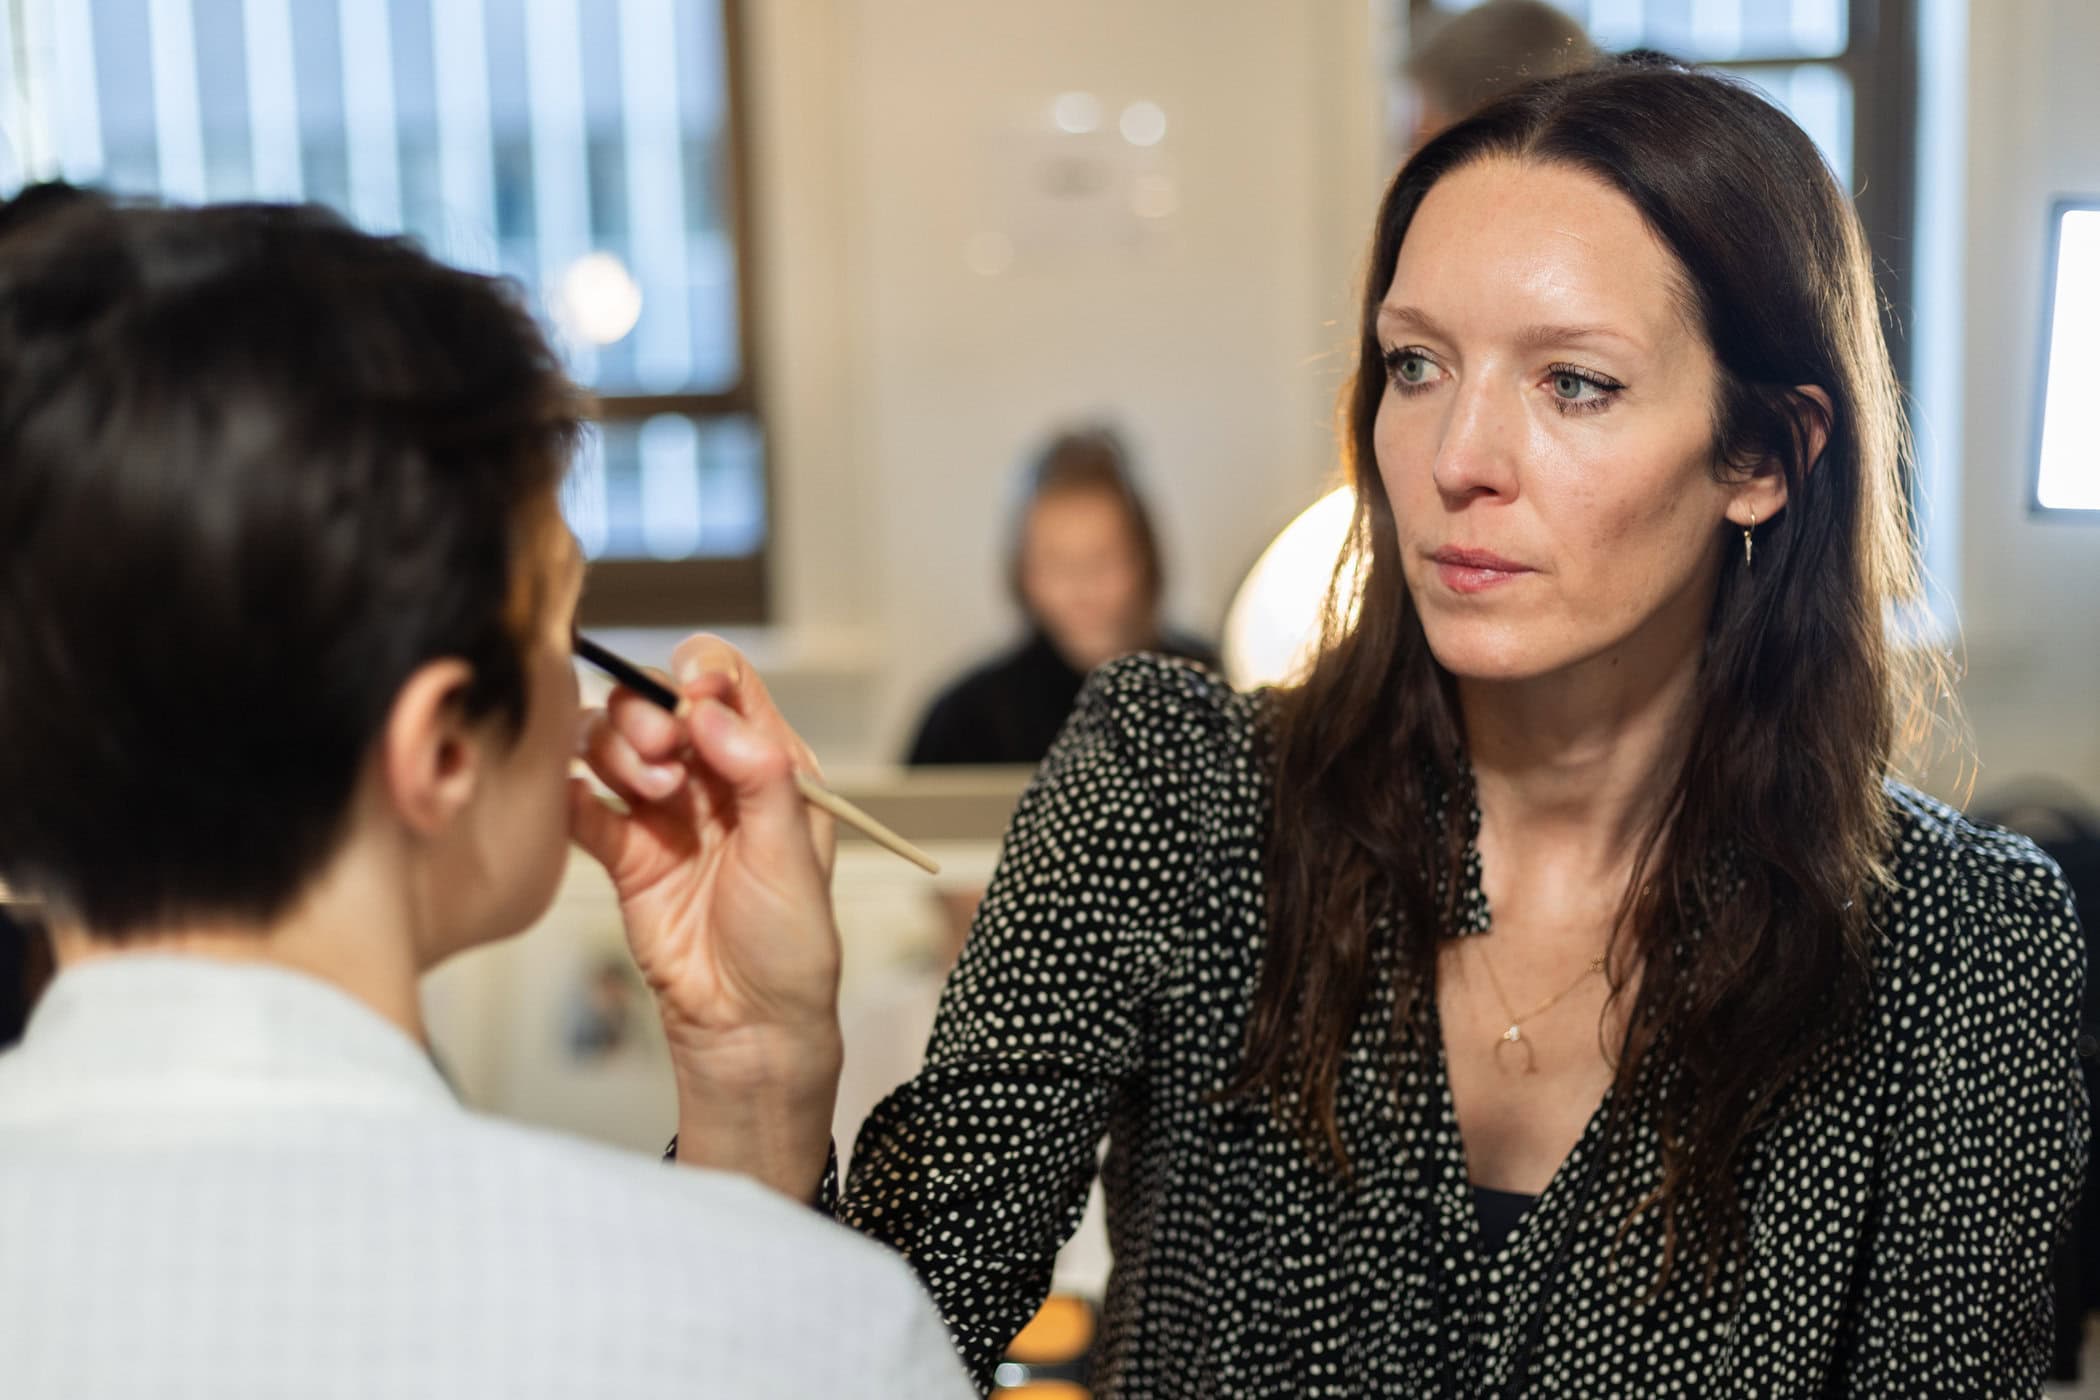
1901, 1208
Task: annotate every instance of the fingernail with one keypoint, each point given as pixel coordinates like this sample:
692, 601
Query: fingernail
583, 733
662, 779
689, 670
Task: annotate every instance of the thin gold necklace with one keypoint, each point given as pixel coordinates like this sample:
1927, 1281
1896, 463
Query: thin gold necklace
1515, 1032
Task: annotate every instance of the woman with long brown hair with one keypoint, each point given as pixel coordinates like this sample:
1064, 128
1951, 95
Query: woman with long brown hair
1554, 993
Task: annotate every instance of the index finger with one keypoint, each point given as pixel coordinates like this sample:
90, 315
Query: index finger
708, 667
654, 732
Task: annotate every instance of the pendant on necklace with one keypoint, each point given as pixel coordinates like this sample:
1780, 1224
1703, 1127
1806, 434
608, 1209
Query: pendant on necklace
1513, 1034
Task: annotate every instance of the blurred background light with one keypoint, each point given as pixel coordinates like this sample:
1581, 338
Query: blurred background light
1076, 112
598, 300
2068, 475
1273, 625
1143, 124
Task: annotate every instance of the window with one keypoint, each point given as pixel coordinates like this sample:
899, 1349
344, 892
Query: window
1845, 70
2067, 467
590, 149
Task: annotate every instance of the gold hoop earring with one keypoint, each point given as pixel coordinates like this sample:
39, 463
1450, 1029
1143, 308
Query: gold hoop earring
1749, 542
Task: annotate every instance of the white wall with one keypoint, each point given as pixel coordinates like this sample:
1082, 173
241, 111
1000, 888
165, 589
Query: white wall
903, 387
2030, 588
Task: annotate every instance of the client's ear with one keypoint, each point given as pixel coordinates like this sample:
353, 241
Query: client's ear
430, 755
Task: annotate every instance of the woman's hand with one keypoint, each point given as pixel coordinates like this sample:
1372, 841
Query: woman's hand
723, 877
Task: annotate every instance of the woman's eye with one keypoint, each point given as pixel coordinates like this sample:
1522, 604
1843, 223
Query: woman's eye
1409, 369
1577, 390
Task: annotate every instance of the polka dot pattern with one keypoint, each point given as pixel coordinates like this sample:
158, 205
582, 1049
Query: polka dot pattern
1901, 1206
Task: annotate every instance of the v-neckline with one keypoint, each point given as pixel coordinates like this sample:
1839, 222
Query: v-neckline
1460, 1219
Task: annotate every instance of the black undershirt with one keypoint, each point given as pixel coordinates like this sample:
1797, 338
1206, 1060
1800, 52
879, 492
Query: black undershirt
1012, 708
1499, 1212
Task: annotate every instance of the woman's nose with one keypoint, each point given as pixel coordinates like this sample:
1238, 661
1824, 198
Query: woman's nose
1477, 456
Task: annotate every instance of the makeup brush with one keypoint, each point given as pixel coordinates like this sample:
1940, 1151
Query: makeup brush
813, 792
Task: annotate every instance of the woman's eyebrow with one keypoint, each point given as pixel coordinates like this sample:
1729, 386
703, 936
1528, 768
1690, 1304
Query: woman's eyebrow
1541, 337
1414, 318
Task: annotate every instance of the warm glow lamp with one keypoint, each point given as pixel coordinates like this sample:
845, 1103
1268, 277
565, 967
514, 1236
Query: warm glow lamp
1273, 624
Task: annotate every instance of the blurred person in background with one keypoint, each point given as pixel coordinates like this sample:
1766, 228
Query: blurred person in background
1085, 568
286, 604
1467, 60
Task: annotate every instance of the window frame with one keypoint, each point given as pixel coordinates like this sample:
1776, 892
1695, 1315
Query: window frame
718, 590
1888, 73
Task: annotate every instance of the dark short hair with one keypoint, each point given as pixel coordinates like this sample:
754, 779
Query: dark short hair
1080, 461
33, 203
256, 468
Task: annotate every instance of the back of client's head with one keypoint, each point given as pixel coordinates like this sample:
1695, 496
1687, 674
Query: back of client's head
261, 471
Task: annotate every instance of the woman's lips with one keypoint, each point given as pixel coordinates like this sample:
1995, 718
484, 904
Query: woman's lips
1475, 570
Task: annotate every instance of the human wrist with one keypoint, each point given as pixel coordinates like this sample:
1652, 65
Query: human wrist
759, 1103
717, 1067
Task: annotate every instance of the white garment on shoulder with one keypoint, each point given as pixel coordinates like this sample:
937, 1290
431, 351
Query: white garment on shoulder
233, 1181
